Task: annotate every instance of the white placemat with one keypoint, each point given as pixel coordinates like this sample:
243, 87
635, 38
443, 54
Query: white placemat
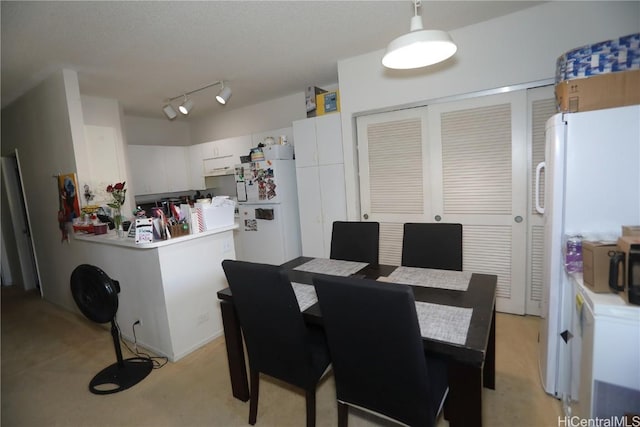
305, 294
444, 322
430, 278
334, 267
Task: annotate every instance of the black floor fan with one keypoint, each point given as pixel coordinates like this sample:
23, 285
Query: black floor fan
96, 295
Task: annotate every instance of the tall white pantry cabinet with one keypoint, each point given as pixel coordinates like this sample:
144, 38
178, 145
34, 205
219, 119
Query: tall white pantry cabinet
320, 176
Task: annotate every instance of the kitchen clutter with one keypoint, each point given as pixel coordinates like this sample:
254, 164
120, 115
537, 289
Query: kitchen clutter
176, 218
607, 265
182, 219
271, 148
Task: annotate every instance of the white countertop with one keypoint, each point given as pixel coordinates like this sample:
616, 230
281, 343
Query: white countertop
110, 238
608, 303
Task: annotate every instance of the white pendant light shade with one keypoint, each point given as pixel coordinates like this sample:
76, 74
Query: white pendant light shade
169, 112
223, 96
186, 106
418, 48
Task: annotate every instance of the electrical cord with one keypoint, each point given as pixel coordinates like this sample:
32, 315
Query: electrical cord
158, 361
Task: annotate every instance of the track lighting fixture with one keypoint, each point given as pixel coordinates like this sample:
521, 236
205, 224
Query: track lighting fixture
223, 96
169, 111
187, 105
419, 47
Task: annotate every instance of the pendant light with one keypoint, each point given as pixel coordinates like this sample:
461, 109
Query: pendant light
419, 47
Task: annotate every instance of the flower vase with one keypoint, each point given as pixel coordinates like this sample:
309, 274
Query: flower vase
117, 222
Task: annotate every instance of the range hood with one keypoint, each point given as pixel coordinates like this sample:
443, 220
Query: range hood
220, 171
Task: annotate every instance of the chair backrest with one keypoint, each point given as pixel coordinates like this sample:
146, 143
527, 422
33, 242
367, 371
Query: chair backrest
376, 349
432, 245
355, 241
272, 324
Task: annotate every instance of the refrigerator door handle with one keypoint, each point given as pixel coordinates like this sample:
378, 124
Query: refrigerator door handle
541, 165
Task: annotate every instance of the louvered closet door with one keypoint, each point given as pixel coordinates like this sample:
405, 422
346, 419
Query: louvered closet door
541, 105
394, 174
479, 159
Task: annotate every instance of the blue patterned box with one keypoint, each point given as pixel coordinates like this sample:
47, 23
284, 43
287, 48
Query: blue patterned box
622, 54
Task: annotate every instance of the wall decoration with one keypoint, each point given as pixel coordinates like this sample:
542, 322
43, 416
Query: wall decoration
68, 192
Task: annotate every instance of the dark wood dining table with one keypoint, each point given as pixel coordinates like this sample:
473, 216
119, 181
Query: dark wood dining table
471, 366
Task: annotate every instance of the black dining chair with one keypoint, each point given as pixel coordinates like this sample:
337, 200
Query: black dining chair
355, 241
278, 342
432, 245
377, 354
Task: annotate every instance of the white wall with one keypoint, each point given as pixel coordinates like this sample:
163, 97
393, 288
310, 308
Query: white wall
42, 125
514, 49
148, 131
104, 112
46, 126
274, 114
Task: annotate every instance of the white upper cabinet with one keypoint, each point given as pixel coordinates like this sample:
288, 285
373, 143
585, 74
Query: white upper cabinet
318, 141
176, 168
158, 169
306, 147
196, 167
219, 157
329, 139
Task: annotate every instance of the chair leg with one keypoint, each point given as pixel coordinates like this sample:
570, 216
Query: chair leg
343, 414
253, 404
311, 407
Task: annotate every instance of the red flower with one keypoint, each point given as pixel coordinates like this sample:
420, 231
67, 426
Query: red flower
118, 186
110, 189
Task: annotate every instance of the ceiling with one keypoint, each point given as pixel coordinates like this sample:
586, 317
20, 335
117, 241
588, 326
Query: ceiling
142, 52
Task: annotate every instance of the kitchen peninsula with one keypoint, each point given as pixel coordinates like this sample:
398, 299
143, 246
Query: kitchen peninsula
169, 285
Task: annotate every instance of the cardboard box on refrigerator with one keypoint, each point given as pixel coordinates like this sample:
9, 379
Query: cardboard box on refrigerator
631, 230
595, 264
598, 92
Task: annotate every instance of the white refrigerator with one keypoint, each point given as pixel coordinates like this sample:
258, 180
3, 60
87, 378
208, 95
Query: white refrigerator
591, 188
269, 223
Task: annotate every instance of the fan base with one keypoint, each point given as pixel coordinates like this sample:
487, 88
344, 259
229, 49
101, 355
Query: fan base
116, 377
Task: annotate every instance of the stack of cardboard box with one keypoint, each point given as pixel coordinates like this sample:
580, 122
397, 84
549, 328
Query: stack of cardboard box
601, 75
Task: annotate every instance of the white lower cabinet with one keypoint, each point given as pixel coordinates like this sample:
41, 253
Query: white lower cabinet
310, 208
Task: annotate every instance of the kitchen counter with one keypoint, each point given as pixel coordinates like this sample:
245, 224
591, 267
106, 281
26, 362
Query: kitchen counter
110, 238
169, 285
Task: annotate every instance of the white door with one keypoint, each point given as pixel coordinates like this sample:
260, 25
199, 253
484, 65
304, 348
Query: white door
460, 162
12, 182
541, 105
479, 159
395, 181
310, 207
262, 239
333, 197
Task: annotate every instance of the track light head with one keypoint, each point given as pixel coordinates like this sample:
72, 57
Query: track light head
169, 111
186, 106
223, 96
